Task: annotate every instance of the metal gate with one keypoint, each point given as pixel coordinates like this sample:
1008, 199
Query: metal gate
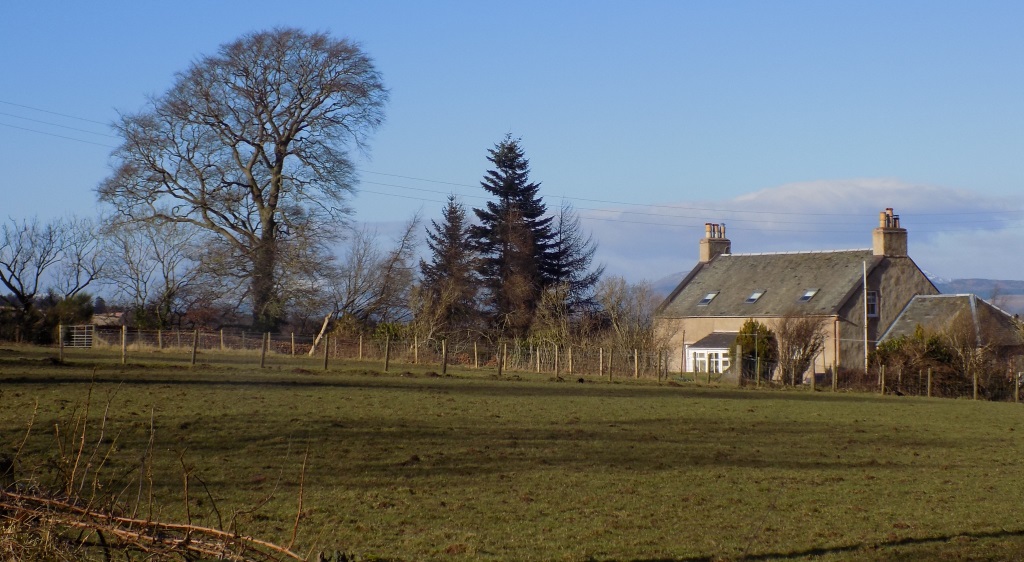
80, 336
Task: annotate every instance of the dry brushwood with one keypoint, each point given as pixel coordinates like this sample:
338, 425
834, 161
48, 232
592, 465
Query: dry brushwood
153, 539
76, 523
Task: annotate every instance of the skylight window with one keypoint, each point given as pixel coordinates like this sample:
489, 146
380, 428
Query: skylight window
754, 296
707, 299
808, 295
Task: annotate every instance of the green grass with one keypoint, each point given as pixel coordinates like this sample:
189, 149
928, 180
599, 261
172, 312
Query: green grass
411, 466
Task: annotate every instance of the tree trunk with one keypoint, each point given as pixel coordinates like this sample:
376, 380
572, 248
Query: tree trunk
323, 330
267, 309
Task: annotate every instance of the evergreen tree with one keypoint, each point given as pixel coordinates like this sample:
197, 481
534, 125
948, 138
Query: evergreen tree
570, 258
448, 285
514, 240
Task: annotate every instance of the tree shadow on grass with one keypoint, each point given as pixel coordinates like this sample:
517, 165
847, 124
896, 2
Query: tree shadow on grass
872, 550
512, 385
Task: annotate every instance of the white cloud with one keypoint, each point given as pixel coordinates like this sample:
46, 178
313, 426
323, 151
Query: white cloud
952, 232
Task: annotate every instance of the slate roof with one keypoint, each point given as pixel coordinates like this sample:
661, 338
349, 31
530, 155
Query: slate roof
935, 312
716, 340
783, 277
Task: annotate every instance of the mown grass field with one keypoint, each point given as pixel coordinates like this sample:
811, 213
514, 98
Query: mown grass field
411, 465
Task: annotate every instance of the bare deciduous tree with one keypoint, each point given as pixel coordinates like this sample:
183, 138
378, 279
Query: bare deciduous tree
968, 345
629, 309
799, 339
61, 255
249, 145
370, 284
152, 265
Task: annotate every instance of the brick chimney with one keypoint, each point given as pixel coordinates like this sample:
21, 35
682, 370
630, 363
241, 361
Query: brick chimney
889, 239
714, 242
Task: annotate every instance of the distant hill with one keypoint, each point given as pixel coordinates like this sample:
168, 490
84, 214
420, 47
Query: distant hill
984, 288
1006, 294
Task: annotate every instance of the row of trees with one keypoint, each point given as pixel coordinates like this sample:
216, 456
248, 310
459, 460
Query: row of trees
229, 198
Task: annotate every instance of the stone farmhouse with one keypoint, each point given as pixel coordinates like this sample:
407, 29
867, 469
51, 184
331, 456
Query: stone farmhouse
700, 318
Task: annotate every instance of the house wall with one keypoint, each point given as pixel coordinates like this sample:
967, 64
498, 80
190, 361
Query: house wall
674, 330
897, 280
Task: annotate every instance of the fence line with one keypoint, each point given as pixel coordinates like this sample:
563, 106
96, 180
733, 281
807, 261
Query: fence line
562, 361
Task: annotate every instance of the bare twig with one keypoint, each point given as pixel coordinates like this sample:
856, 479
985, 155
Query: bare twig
298, 513
143, 535
28, 431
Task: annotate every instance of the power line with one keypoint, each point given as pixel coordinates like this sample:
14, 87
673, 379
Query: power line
687, 207
53, 112
55, 135
589, 200
57, 125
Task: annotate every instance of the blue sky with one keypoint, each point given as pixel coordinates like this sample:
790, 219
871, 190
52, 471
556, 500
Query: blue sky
792, 122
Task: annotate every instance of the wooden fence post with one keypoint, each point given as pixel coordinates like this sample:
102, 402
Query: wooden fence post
387, 352
195, 344
611, 361
636, 363
416, 349
60, 342
600, 361
360, 347
504, 355
570, 360
476, 357
975, 378
222, 339
1016, 388
293, 344
263, 350
124, 344
929, 382
813, 377
739, 361
557, 372
881, 378
444, 357
498, 360
159, 339
327, 342
537, 356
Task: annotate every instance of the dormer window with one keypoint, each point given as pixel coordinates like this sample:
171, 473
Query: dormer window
808, 295
707, 299
754, 296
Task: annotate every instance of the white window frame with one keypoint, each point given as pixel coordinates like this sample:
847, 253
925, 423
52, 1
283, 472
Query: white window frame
872, 304
807, 295
703, 360
755, 296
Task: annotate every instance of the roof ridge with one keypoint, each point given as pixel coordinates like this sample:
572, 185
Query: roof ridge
800, 252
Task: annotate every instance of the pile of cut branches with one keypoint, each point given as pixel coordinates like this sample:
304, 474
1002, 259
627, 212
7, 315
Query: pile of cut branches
34, 526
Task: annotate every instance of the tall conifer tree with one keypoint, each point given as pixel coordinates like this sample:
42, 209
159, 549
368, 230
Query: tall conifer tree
514, 240
449, 279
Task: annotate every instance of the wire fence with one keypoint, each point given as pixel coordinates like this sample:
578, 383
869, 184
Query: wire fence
562, 361
247, 347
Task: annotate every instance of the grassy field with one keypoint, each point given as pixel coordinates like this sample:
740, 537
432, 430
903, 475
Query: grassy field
411, 465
